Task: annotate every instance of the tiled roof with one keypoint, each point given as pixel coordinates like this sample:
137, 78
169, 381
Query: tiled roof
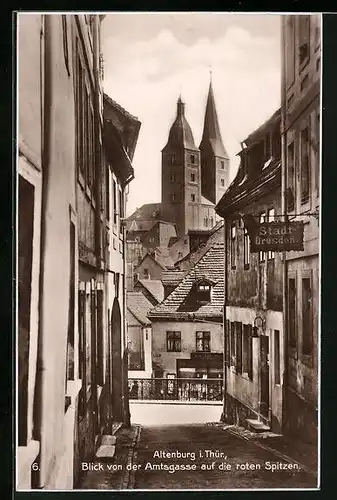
217, 236
139, 306
155, 287
149, 211
210, 266
172, 277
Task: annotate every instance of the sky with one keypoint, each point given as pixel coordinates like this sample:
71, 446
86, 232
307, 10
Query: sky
150, 58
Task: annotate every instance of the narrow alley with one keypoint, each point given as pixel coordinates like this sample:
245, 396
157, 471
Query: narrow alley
199, 456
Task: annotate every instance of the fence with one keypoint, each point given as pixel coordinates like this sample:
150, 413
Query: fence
178, 389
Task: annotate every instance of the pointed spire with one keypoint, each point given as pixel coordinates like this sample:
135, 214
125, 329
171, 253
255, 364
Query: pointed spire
211, 132
180, 106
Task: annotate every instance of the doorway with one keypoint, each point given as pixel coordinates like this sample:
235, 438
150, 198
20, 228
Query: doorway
264, 375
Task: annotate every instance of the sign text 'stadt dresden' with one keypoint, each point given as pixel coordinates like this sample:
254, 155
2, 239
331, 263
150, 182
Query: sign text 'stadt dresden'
277, 236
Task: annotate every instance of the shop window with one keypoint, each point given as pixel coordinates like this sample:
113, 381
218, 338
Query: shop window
173, 341
203, 340
292, 330
277, 368
25, 260
307, 330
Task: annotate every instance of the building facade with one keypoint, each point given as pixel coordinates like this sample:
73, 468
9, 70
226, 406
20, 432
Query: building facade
71, 309
253, 298
187, 328
301, 75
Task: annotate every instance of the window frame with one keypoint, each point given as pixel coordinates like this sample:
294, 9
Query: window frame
175, 340
203, 337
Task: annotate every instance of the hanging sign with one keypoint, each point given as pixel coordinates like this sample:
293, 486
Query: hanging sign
276, 236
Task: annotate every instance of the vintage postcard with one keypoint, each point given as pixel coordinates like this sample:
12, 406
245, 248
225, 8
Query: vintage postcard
168, 229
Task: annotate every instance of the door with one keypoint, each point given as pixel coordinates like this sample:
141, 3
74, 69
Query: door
264, 375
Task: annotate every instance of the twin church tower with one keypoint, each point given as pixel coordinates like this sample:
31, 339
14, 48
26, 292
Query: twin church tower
193, 179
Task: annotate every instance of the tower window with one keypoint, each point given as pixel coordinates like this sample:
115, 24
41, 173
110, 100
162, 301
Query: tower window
173, 197
192, 159
222, 165
193, 177
173, 177
222, 181
192, 197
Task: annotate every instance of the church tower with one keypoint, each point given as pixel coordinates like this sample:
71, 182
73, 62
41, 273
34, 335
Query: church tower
214, 158
181, 175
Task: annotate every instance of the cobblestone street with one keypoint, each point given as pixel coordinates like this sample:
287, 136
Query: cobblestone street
206, 457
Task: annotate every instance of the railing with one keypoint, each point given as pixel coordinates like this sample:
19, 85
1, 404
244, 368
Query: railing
177, 389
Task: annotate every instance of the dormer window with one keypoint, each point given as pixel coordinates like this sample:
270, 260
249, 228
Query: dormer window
204, 291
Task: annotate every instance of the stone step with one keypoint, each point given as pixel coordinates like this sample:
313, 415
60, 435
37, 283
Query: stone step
257, 425
106, 451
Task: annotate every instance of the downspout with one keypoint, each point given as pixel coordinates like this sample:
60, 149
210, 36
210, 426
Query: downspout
284, 206
40, 423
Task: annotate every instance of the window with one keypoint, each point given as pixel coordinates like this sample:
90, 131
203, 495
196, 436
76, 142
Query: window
246, 249
204, 292
107, 193
233, 246
262, 255
222, 165
71, 318
85, 131
307, 332
292, 331
277, 377
205, 221
222, 182
121, 211
173, 177
192, 159
247, 351
25, 263
211, 221
173, 341
232, 344
271, 218
318, 132
99, 339
193, 177
291, 177
146, 272
290, 50
305, 165
203, 340
192, 197
238, 331
304, 39
173, 197
114, 194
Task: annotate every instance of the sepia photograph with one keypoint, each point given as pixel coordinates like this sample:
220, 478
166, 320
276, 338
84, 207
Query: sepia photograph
168, 173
